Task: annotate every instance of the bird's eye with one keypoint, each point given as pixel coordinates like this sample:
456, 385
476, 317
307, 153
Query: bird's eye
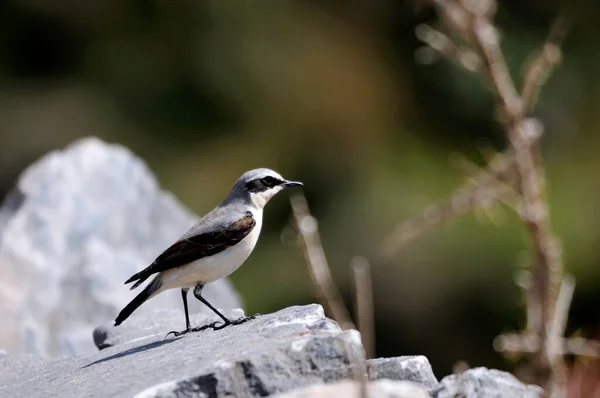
269, 181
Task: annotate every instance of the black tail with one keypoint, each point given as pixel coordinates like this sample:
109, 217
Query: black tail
140, 277
138, 300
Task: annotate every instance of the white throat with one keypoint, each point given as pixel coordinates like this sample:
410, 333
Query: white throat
260, 199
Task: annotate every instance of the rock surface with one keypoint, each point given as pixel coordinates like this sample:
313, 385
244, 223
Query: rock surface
79, 223
411, 368
278, 352
484, 383
352, 389
296, 351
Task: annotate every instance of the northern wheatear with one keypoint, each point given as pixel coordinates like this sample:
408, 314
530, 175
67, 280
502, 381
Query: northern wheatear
213, 248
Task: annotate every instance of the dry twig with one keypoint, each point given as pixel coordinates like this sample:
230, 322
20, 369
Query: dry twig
472, 21
328, 292
541, 64
488, 187
361, 272
530, 343
326, 289
546, 260
443, 45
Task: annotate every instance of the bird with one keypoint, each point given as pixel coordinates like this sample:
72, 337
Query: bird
217, 245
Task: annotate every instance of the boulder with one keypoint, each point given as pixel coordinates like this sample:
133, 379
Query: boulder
78, 223
292, 348
352, 389
484, 383
414, 368
296, 352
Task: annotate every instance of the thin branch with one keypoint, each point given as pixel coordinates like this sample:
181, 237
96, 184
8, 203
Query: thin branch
516, 343
489, 186
547, 262
524, 280
445, 46
326, 289
561, 315
358, 368
361, 272
530, 343
472, 21
541, 65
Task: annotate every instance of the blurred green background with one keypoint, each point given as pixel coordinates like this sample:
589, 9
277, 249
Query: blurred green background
329, 93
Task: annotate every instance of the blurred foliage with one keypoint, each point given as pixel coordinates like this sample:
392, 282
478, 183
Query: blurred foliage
328, 93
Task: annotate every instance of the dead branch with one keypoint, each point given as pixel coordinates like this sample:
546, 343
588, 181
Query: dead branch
358, 368
560, 316
361, 272
547, 262
326, 289
530, 343
541, 64
445, 46
516, 343
524, 280
488, 187
472, 21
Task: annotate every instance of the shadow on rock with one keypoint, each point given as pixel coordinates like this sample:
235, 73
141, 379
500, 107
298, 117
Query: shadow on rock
133, 350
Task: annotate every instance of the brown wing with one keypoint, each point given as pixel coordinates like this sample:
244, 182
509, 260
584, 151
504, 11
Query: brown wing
193, 248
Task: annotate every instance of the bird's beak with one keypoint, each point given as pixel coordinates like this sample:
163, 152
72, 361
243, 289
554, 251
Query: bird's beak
292, 184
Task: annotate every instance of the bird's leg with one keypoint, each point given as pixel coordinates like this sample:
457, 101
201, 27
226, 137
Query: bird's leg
187, 314
226, 322
185, 308
198, 295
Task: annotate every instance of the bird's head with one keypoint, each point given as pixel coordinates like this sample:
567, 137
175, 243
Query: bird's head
260, 185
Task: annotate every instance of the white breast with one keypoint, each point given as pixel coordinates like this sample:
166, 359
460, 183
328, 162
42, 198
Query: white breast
210, 269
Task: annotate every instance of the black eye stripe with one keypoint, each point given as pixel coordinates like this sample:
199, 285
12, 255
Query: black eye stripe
262, 184
255, 186
271, 181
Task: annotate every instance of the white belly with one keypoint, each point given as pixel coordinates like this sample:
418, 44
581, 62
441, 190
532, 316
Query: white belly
210, 269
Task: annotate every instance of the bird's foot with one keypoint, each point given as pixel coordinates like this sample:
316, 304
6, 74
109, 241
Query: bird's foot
238, 321
203, 328
222, 325
177, 334
214, 326
245, 319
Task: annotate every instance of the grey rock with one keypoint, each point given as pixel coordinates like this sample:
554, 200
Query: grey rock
289, 322
79, 222
19, 370
149, 324
351, 389
414, 368
289, 349
485, 383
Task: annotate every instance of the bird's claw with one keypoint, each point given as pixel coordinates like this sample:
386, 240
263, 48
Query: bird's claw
214, 326
243, 319
209, 326
223, 325
177, 334
238, 321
